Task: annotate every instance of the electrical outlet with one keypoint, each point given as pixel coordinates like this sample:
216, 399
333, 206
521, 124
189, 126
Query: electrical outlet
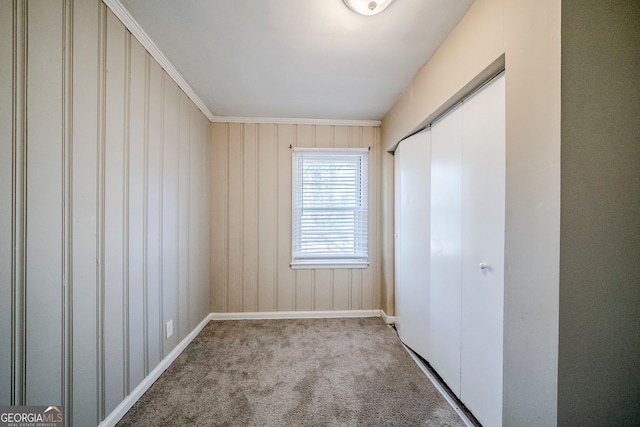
169, 328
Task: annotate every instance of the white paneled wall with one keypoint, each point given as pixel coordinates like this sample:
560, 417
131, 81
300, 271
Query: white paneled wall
251, 222
105, 220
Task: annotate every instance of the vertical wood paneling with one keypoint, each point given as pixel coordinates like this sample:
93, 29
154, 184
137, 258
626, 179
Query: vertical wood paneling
342, 136
278, 287
100, 205
286, 292
6, 209
341, 290
204, 250
249, 214
170, 212
304, 290
267, 228
219, 216
44, 203
154, 302
204, 282
145, 213
323, 287
19, 204
97, 169
114, 242
235, 235
67, 209
161, 129
136, 217
194, 229
203, 291
196, 205
182, 325
125, 208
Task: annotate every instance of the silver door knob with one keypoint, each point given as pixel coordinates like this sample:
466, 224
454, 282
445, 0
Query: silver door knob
484, 266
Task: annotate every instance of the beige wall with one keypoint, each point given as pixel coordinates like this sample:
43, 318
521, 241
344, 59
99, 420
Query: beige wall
473, 45
251, 222
104, 225
525, 37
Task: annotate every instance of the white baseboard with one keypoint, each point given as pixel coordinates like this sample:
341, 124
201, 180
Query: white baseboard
389, 320
133, 397
296, 315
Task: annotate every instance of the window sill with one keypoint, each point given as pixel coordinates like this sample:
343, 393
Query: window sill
328, 265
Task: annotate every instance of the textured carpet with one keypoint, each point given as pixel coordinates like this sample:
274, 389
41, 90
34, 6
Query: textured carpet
309, 372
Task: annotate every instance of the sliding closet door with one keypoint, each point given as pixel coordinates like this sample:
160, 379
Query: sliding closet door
446, 247
483, 221
412, 177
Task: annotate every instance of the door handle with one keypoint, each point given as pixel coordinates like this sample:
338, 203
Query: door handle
484, 266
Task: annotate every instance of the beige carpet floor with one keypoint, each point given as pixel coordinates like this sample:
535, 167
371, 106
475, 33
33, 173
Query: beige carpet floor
309, 372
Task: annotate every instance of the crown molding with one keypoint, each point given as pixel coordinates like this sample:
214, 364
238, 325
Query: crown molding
296, 121
132, 25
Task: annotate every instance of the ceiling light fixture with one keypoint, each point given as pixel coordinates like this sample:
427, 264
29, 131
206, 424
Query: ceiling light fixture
367, 7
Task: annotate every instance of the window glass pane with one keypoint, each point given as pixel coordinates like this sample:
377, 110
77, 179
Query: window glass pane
330, 205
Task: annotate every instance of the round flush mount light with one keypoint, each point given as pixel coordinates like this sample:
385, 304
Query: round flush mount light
367, 7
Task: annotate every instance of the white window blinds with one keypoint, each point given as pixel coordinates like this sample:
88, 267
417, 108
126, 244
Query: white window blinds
330, 206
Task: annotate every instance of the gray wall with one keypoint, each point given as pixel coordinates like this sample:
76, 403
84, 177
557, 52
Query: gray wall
599, 351
104, 220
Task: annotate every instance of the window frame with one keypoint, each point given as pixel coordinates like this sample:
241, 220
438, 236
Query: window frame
359, 258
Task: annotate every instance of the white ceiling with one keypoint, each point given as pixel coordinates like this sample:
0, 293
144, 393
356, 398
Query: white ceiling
312, 59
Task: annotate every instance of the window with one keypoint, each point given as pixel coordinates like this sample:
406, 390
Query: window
329, 208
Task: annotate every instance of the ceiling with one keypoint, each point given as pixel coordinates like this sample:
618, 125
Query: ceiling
313, 59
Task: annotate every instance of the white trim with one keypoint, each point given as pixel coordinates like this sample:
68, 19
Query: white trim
358, 150
295, 315
296, 121
389, 320
325, 265
132, 25
133, 397
440, 389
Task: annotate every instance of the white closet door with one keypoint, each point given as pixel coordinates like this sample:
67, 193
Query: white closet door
483, 221
412, 210
446, 247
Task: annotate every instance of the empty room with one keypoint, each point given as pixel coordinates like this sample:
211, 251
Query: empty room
320, 212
